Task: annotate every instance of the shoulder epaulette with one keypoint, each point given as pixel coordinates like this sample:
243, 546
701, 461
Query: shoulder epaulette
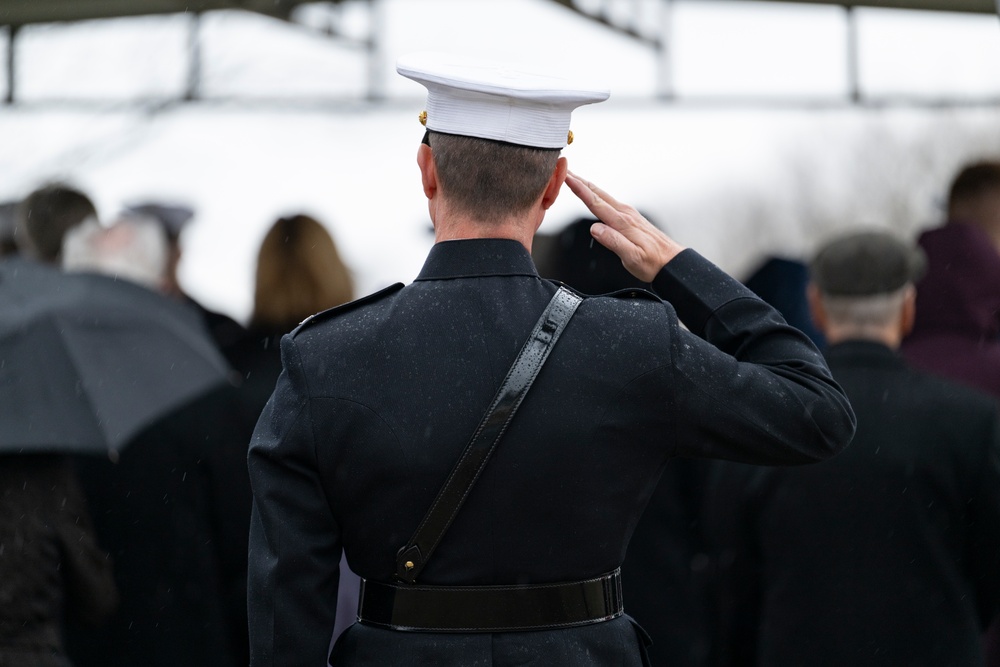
627, 293
347, 307
634, 293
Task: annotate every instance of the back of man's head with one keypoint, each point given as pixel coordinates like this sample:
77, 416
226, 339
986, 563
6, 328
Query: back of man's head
974, 195
490, 180
133, 248
495, 131
44, 217
173, 217
862, 284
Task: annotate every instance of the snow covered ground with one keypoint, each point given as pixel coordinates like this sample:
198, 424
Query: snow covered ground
734, 182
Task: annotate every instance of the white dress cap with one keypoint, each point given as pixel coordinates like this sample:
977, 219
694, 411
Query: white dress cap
491, 100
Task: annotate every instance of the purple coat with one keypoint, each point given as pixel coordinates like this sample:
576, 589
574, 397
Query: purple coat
957, 330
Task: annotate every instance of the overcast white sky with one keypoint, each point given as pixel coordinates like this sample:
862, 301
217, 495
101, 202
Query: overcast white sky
352, 165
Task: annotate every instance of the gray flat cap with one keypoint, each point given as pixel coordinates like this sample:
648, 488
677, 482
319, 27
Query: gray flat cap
865, 264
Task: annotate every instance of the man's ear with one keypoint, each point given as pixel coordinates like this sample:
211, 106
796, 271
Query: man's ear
555, 183
909, 315
428, 171
816, 309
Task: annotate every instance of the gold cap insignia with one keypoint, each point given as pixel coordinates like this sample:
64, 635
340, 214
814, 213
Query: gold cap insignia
569, 137
423, 118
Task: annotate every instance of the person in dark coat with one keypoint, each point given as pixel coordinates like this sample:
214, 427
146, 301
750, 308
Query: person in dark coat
51, 567
173, 513
299, 273
573, 257
173, 507
886, 554
378, 398
957, 330
782, 281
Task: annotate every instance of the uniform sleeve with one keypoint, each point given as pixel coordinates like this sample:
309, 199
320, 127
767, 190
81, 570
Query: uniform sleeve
294, 540
748, 386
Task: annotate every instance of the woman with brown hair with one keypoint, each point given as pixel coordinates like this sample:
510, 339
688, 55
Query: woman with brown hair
299, 273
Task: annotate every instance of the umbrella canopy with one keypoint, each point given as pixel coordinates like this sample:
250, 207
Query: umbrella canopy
87, 361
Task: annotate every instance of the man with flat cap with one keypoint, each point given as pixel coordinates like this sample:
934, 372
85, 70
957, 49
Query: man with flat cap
886, 554
488, 521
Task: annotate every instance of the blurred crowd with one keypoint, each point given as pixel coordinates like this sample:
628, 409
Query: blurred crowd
889, 554
139, 557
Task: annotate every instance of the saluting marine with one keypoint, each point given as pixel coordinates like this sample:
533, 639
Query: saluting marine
489, 521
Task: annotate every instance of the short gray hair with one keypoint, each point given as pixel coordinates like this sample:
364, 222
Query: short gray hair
873, 310
490, 180
133, 248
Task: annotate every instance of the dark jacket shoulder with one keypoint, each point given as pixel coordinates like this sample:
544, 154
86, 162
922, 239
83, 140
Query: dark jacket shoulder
342, 309
857, 364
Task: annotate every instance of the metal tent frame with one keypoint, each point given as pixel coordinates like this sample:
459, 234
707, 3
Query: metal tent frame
15, 14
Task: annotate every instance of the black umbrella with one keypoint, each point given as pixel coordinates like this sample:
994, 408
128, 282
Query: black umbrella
87, 361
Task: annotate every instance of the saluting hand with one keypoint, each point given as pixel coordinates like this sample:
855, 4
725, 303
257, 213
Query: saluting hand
642, 247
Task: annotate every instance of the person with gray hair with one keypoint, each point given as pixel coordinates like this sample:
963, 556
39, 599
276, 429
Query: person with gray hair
173, 509
862, 287
133, 248
885, 554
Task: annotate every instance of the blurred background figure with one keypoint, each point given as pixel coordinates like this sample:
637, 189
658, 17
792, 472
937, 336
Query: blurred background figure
50, 565
573, 257
227, 333
174, 508
887, 553
133, 249
299, 273
51, 568
172, 218
958, 301
44, 216
8, 246
665, 569
782, 281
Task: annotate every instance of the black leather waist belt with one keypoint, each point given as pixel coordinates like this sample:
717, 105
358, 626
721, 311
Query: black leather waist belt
418, 608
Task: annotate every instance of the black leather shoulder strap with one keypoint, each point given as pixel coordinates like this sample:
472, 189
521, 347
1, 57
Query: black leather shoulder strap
411, 559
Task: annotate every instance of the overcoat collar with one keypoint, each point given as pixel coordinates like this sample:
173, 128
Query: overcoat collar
473, 258
864, 353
